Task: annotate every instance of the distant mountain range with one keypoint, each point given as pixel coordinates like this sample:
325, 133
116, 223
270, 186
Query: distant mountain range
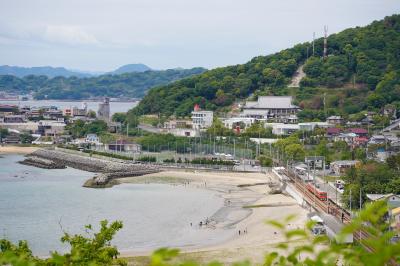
130, 69
133, 85
52, 72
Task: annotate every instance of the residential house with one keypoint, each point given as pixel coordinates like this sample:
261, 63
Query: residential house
360, 132
340, 167
392, 200
347, 137
332, 132
335, 120
92, 139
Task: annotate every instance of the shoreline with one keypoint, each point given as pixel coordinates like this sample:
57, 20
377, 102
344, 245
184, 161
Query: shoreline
261, 206
248, 203
13, 149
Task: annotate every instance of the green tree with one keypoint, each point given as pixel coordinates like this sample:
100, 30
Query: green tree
94, 250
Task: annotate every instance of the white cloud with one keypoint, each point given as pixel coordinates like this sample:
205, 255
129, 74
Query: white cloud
71, 35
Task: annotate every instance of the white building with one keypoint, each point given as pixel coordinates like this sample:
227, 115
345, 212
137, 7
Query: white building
92, 139
335, 120
279, 107
233, 122
201, 119
282, 129
310, 126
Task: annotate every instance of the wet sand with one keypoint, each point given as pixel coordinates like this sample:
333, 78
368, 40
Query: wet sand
259, 238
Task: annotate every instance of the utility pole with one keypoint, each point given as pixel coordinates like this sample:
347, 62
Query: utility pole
313, 44
234, 149
350, 201
127, 129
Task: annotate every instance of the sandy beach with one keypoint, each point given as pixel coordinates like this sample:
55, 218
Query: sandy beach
17, 149
238, 190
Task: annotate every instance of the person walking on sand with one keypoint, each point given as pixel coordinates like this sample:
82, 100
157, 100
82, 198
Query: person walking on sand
239, 232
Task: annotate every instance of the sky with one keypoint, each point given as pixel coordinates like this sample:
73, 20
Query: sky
101, 35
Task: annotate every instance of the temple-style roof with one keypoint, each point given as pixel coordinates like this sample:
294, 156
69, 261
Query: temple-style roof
271, 102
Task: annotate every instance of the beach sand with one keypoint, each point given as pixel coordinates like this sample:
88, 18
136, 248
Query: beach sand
17, 149
259, 238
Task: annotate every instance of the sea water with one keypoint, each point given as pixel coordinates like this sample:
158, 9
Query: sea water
38, 205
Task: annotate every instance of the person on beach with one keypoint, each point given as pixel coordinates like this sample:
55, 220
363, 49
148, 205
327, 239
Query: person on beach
239, 232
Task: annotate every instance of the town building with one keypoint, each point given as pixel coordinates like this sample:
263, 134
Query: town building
183, 132
340, 167
50, 128
335, 120
92, 139
332, 132
392, 200
13, 119
238, 123
310, 126
104, 110
201, 119
360, 132
172, 124
282, 129
123, 146
315, 161
267, 107
80, 111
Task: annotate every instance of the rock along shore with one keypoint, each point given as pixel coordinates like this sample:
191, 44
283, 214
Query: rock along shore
108, 170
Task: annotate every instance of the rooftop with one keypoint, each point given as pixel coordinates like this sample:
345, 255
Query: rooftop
335, 117
358, 130
333, 130
271, 102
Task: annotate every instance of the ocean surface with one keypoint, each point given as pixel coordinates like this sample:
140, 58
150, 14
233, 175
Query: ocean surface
115, 107
37, 205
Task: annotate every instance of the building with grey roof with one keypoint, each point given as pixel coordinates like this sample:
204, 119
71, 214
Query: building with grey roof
270, 107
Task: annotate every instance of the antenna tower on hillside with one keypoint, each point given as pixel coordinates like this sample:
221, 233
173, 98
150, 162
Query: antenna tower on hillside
313, 41
325, 41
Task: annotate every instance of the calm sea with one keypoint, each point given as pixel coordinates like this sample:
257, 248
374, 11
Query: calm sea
38, 205
115, 107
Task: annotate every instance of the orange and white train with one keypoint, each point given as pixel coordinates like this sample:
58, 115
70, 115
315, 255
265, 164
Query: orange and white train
321, 195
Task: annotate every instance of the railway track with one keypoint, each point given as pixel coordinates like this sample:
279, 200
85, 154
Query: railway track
330, 207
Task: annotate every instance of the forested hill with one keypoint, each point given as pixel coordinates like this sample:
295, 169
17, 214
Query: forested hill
124, 85
369, 55
48, 71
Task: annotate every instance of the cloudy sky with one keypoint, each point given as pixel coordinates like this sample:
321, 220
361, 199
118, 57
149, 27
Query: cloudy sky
100, 35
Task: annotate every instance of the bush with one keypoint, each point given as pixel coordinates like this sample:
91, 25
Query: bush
265, 161
147, 159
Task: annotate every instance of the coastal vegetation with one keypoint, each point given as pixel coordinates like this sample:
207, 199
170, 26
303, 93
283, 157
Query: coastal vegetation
74, 88
361, 73
300, 248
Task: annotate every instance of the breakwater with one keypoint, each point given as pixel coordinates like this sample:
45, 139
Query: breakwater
107, 171
42, 163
